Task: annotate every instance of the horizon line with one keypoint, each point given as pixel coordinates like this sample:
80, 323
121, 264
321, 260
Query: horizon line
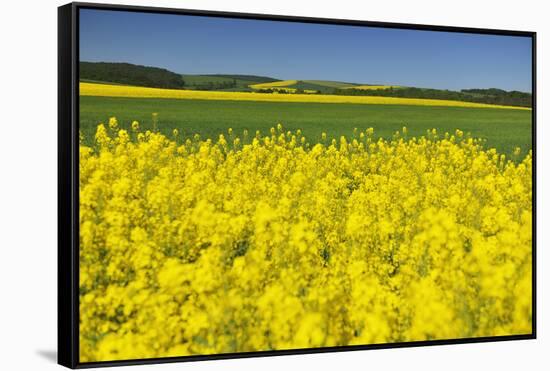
301, 79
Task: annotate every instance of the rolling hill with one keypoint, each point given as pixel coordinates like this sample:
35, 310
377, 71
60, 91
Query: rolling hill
331, 84
224, 82
154, 77
130, 74
306, 86
374, 87
145, 76
487, 96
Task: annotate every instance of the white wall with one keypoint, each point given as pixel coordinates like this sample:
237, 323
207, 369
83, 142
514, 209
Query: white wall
28, 152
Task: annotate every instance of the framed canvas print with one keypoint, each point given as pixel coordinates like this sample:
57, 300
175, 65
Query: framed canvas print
235, 185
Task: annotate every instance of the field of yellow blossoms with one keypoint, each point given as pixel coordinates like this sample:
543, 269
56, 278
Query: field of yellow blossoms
261, 241
108, 90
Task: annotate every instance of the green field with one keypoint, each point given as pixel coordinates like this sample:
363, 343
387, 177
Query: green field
504, 129
193, 81
331, 84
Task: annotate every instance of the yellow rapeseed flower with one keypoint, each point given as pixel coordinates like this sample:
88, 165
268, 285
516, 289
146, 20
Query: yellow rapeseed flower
211, 246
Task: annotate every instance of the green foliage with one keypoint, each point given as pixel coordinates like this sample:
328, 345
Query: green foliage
130, 74
197, 82
303, 85
490, 96
223, 82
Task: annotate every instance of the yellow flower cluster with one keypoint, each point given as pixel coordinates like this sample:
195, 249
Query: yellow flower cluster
106, 90
254, 243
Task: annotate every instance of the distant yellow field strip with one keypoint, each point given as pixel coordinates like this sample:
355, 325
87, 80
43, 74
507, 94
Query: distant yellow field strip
104, 90
276, 84
280, 86
372, 87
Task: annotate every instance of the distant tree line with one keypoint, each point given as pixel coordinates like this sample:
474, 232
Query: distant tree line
489, 96
130, 74
271, 91
210, 85
284, 91
258, 79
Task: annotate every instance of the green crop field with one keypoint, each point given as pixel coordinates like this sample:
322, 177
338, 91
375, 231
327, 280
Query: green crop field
504, 129
216, 82
331, 84
326, 87
199, 79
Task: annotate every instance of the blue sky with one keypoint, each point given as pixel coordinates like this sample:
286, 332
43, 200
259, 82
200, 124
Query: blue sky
287, 50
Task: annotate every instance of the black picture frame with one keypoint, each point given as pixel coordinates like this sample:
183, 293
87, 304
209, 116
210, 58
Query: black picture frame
68, 192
